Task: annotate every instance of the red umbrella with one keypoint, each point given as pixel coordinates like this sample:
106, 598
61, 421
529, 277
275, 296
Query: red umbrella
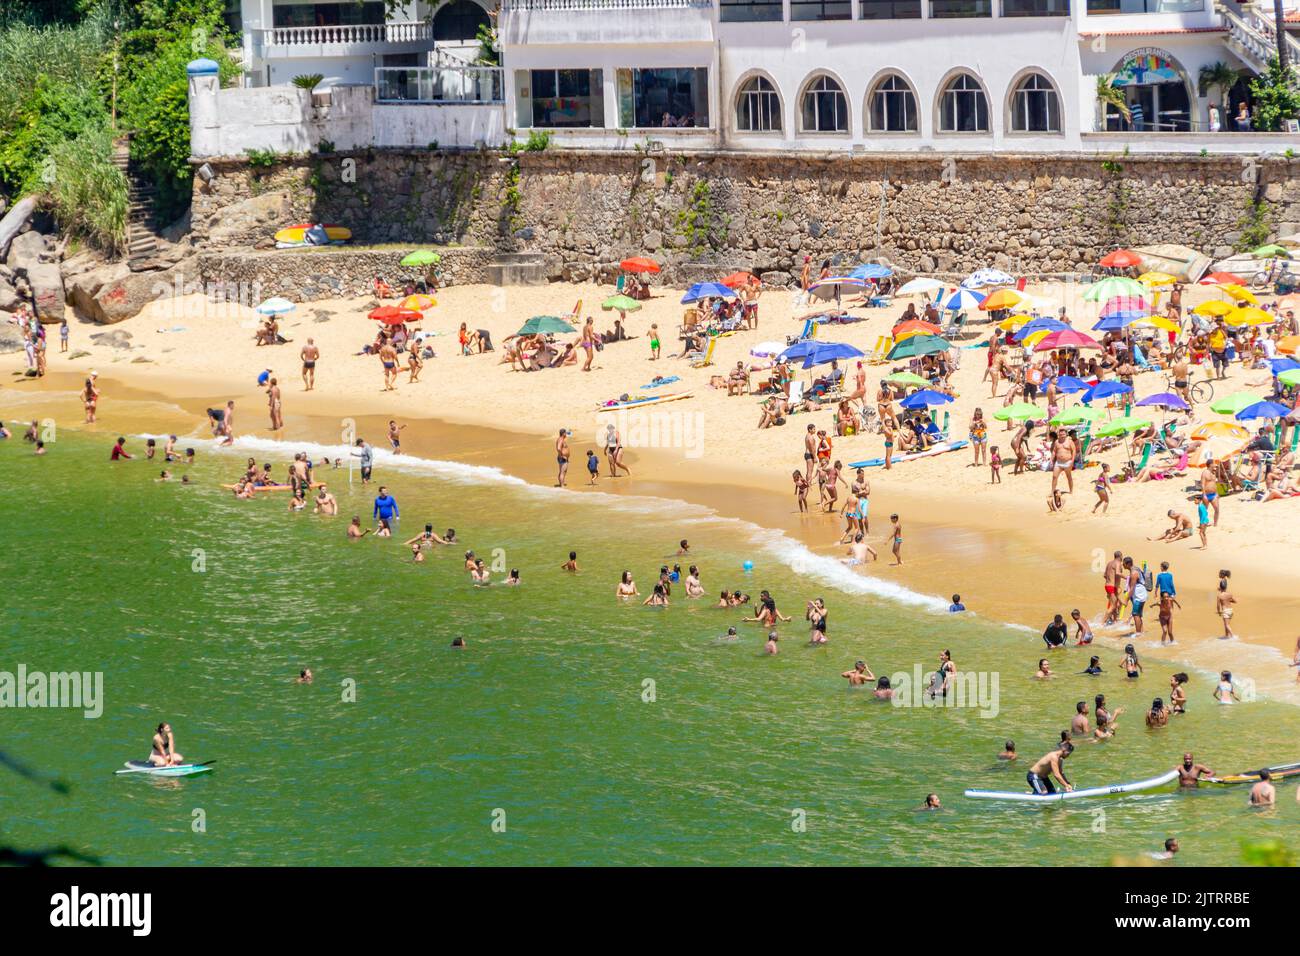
1221, 278
392, 315
639, 264
738, 279
1066, 339
1121, 259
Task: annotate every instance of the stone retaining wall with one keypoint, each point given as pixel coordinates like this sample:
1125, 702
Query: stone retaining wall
928, 214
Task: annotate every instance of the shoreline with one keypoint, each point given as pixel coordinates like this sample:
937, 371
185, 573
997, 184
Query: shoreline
950, 548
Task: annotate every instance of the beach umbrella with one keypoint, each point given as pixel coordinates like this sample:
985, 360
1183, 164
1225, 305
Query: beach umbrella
1239, 293
1113, 323
1018, 411
275, 306
1220, 278
871, 270
1290, 377
915, 327
906, 378
545, 324
1121, 259
798, 350
1014, 321
1214, 307
1280, 365
824, 352
620, 303
707, 290
1156, 279
920, 284
1106, 390
1112, 286
1219, 430
1158, 322
738, 279
984, 277
1031, 339
639, 264
1000, 300
1263, 410
924, 398
1078, 415
1271, 251
393, 315
1124, 426
1133, 306
917, 345
1039, 325
1289, 301
421, 257
767, 349
418, 302
1069, 384
1249, 315
963, 299
1231, 404
1067, 339
829, 288
1163, 400
1288, 343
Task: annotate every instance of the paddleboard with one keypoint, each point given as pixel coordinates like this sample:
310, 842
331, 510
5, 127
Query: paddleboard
314, 484
1155, 783
641, 402
298, 234
938, 449
1280, 772
180, 770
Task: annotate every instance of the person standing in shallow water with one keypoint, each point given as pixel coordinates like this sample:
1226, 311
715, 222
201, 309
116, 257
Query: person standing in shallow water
562, 457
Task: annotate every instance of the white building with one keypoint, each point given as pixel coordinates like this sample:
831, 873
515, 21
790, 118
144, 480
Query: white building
868, 76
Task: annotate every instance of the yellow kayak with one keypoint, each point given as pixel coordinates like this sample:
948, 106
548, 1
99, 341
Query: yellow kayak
1280, 772
299, 233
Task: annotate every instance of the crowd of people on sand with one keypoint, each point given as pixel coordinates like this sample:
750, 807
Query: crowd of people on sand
33, 335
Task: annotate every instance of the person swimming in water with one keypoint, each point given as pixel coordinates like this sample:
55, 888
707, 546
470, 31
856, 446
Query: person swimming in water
860, 675
163, 752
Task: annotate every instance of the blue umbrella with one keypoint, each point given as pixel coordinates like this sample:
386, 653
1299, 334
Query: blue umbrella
924, 397
1165, 400
1117, 320
1105, 390
799, 350
964, 299
1038, 325
1263, 410
1069, 384
707, 290
1280, 365
871, 270
823, 352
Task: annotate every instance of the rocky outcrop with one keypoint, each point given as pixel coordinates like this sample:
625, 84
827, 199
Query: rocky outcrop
35, 266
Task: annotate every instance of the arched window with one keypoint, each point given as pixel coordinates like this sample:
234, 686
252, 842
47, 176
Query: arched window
758, 107
1035, 107
458, 21
891, 107
824, 108
963, 107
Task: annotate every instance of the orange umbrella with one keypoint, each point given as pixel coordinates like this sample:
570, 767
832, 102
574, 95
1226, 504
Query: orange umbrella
738, 279
1001, 299
1121, 259
1289, 344
392, 315
1291, 301
1220, 430
1220, 278
915, 327
639, 264
418, 302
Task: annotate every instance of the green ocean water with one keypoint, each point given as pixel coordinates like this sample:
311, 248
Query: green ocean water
535, 744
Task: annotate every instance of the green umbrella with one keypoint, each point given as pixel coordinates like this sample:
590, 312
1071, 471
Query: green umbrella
1290, 377
1112, 286
1077, 415
1234, 403
421, 257
914, 346
1272, 250
543, 324
1018, 411
1123, 426
910, 378
622, 303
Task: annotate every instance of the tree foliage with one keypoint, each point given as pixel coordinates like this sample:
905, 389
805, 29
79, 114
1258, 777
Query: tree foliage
1276, 96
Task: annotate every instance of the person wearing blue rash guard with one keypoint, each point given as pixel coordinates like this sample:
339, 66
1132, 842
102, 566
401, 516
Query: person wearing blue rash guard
386, 505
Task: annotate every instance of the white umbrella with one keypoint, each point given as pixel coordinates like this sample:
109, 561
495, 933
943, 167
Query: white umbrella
767, 349
982, 277
920, 284
276, 306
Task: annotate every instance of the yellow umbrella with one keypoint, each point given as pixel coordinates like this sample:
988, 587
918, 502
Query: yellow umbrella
1158, 322
1239, 293
1154, 279
1248, 315
1001, 299
1213, 307
417, 302
1033, 338
1220, 430
1014, 321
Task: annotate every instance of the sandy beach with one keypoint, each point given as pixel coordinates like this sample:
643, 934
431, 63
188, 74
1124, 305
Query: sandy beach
997, 545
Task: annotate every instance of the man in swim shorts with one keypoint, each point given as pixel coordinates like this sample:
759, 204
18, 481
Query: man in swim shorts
310, 353
1049, 767
562, 457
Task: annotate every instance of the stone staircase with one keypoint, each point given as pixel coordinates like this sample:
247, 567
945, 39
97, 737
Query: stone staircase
517, 268
141, 217
1252, 35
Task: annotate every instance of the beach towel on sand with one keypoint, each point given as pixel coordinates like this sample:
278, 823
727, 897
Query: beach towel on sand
663, 381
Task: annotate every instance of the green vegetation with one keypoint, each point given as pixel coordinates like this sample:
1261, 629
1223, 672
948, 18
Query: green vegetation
1276, 95
1254, 226
1108, 94
700, 225
308, 81
538, 142
80, 74
262, 158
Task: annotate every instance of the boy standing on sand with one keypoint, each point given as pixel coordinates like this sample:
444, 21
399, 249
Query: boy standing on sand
897, 533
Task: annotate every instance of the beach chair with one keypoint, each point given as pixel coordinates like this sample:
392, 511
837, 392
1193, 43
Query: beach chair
707, 358
383, 290
943, 432
953, 327
1146, 456
576, 314
796, 396
880, 353
618, 286
809, 329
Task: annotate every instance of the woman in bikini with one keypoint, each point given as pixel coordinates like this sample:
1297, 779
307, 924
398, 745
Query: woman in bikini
90, 398
979, 436
588, 342
163, 752
626, 589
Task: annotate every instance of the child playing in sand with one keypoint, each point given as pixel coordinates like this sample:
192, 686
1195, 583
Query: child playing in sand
800, 490
654, 341
593, 466
995, 466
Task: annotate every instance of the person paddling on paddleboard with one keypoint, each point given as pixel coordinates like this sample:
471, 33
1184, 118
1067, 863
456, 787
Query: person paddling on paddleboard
164, 752
1040, 775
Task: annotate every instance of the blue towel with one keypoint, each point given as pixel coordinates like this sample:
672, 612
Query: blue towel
666, 381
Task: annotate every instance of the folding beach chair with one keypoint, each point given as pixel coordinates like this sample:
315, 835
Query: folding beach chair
707, 359
796, 395
880, 354
575, 314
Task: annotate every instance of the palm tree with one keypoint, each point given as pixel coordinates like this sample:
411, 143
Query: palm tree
1108, 94
1217, 76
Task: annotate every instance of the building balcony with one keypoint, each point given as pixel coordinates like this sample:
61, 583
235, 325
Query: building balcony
618, 22
355, 39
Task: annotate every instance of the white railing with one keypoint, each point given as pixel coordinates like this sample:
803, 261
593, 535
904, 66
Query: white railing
1251, 29
406, 32
420, 84
509, 5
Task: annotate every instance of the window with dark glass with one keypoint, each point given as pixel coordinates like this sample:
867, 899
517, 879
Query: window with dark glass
892, 106
670, 96
758, 108
947, 9
327, 14
459, 20
821, 9
824, 108
963, 108
566, 98
1035, 107
1145, 6
1035, 8
889, 9
749, 11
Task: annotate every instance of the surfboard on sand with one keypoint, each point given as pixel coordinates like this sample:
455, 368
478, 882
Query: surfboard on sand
642, 402
938, 449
